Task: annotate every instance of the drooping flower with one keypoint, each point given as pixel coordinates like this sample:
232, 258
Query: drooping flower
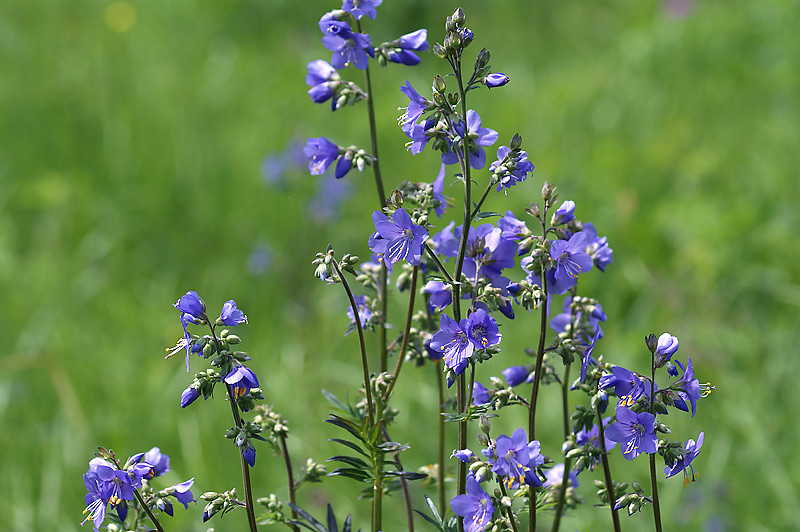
480, 395
359, 8
402, 50
479, 138
517, 459
634, 432
364, 312
397, 239
597, 247
691, 450
495, 79
453, 341
230, 315
241, 379
417, 105
475, 506
565, 213
465, 455
188, 396
688, 387
571, 260
158, 461
320, 153
348, 47
438, 193
593, 436
515, 375
191, 304
323, 80
441, 294
482, 329
666, 346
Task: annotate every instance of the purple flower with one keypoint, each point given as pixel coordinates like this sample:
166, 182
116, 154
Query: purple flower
188, 396
487, 260
565, 213
517, 459
364, 312
359, 8
634, 432
688, 387
475, 506
480, 395
495, 79
515, 375
417, 105
348, 47
555, 476
438, 193
323, 80
479, 138
320, 153
571, 260
509, 168
691, 450
230, 315
441, 294
240, 380
398, 239
666, 346
465, 455
191, 304
482, 329
187, 343
453, 341
403, 48
107, 484
159, 463
511, 227
593, 436
597, 247
249, 454
626, 384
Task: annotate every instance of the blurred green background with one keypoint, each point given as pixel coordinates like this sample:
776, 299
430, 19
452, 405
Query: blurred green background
130, 161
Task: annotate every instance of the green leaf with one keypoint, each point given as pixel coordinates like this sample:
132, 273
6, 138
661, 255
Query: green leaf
335, 401
487, 214
408, 475
349, 472
351, 445
347, 425
351, 460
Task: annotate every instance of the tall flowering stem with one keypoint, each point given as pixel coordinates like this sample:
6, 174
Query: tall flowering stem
404, 346
607, 470
147, 510
237, 420
289, 479
653, 481
537, 379
361, 342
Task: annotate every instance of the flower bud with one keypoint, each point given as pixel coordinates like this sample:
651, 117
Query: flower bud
494, 80
459, 17
484, 424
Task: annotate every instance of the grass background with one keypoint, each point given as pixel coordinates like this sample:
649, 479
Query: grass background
129, 161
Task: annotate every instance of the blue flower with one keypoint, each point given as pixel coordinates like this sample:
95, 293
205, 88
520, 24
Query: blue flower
417, 105
159, 463
453, 341
626, 384
240, 380
482, 329
593, 436
359, 8
634, 432
480, 395
348, 47
230, 315
475, 506
555, 477
320, 153
571, 260
479, 138
188, 396
688, 387
666, 346
191, 304
398, 239
690, 452
465, 455
495, 79
438, 193
515, 375
565, 213
323, 80
364, 312
597, 247
402, 50
510, 167
517, 459
441, 294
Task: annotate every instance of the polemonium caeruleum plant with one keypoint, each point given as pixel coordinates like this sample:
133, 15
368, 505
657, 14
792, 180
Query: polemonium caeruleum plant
459, 286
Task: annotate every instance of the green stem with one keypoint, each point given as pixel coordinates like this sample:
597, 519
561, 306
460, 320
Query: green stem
362, 343
403, 485
653, 481
147, 511
509, 511
440, 389
537, 379
607, 472
290, 479
477, 208
438, 262
377, 486
406, 333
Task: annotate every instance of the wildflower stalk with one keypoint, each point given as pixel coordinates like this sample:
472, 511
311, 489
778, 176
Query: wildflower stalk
147, 510
290, 479
537, 378
509, 511
377, 485
653, 481
607, 471
237, 420
404, 346
440, 421
362, 344
477, 208
403, 485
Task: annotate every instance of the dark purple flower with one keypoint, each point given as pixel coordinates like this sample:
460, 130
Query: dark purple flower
348, 47
249, 453
475, 506
691, 450
483, 137
452, 340
626, 384
597, 247
320, 153
571, 260
555, 476
666, 346
565, 213
323, 80
398, 239
482, 329
495, 79
480, 395
634, 432
188, 396
515, 375
230, 315
241, 379
517, 459
359, 8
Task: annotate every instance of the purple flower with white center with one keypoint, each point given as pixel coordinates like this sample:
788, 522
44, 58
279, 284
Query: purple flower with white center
438, 193
666, 346
509, 169
230, 315
495, 79
397, 239
441, 294
479, 138
359, 8
691, 450
593, 436
348, 47
108, 485
634, 432
404, 48
555, 477
96, 504
517, 459
240, 380
453, 341
323, 80
188, 396
597, 247
571, 260
482, 329
364, 312
626, 384
475, 506
515, 375
480, 395
565, 213
320, 153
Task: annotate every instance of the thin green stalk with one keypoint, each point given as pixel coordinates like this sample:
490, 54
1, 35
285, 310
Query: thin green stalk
440, 421
537, 379
377, 486
403, 485
607, 471
290, 479
362, 343
406, 332
653, 481
147, 510
477, 208
509, 511
438, 262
